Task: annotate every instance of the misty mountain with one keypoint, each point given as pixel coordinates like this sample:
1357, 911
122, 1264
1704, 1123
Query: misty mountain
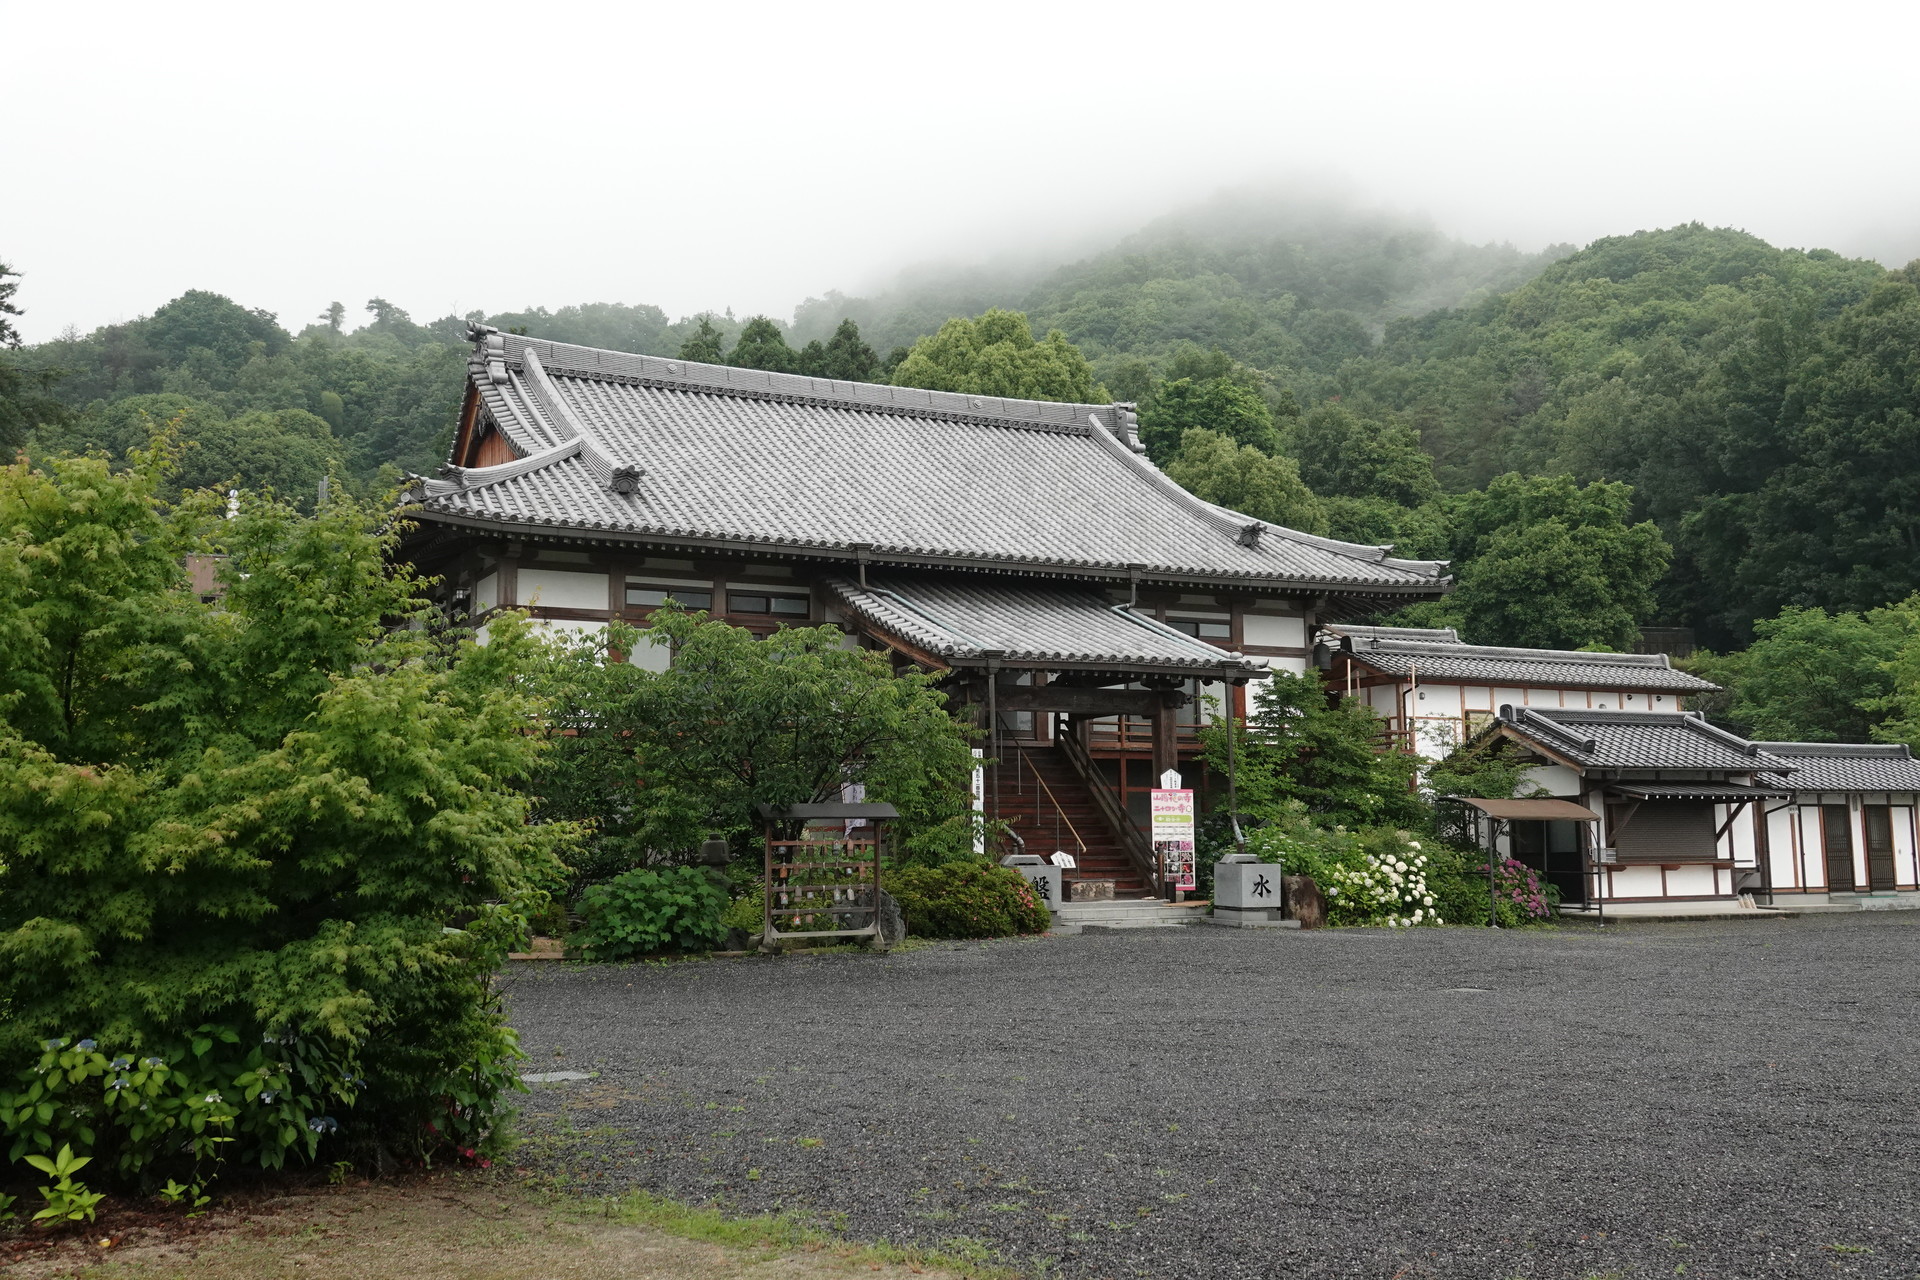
1292, 285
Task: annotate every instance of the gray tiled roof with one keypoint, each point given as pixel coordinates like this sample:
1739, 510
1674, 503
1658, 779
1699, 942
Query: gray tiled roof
1439, 655
961, 617
812, 466
1849, 766
1639, 740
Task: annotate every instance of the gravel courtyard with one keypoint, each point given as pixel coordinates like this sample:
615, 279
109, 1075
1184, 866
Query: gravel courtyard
1718, 1099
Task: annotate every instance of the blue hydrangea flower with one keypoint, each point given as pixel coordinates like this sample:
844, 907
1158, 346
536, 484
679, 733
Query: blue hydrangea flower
119, 1084
85, 1046
213, 1097
51, 1045
152, 1064
269, 1095
121, 1063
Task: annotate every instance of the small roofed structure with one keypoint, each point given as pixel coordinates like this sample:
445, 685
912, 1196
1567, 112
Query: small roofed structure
1675, 795
1434, 691
1846, 833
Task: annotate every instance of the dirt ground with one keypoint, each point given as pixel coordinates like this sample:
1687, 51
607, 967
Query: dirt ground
469, 1227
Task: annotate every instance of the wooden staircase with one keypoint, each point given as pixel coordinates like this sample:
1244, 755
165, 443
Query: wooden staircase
1046, 803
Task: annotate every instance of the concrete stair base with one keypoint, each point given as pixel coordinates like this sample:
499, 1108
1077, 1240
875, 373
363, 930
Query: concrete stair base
1103, 917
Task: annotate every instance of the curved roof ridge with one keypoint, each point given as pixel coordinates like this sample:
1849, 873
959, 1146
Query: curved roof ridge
1456, 648
1373, 553
454, 479
572, 358
1885, 750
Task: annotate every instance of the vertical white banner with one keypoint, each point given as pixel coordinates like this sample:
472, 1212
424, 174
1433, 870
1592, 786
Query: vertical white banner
979, 802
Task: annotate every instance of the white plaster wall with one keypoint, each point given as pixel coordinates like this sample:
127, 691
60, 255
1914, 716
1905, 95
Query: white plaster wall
562, 589
1509, 698
1634, 882
1813, 860
651, 655
1782, 850
1905, 870
567, 627
1556, 778
486, 593
1435, 738
1436, 700
1271, 629
1739, 839
1693, 881
1297, 666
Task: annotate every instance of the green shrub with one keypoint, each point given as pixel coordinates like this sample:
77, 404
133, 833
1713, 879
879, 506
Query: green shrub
287, 825
968, 898
179, 1110
644, 911
748, 912
1458, 880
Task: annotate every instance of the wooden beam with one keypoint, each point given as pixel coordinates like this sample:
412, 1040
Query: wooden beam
1080, 702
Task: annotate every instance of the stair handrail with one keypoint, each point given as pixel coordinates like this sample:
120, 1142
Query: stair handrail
1138, 851
1057, 810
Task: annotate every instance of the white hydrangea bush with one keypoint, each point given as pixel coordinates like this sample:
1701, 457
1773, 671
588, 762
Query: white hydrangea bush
1388, 887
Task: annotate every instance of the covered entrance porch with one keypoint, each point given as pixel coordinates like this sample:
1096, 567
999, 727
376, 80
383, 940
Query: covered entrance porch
1082, 702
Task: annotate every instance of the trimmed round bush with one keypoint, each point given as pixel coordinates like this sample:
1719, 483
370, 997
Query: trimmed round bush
970, 898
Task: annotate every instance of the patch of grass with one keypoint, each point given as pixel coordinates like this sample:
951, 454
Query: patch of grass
787, 1232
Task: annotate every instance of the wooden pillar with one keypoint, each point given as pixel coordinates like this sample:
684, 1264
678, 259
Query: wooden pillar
1166, 748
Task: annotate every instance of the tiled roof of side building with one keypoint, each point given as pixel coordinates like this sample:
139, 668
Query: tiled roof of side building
961, 618
1639, 740
1848, 766
647, 448
1438, 655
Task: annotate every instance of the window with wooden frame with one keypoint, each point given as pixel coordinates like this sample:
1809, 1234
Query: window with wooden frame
756, 603
651, 595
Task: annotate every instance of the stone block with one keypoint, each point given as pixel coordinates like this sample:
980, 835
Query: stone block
1246, 886
1045, 879
1091, 890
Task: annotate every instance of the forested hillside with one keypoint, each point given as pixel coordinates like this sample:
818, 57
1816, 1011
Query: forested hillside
1680, 427
1763, 403
1287, 285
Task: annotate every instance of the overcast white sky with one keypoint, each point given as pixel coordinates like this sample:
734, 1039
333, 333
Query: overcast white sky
474, 155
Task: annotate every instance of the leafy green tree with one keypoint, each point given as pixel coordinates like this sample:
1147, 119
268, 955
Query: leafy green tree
9, 285
736, 722
995, 354
1301, 747
1549, 564
334, 317
287, 451
706, 346
1219, 405
845, 356
762, 345
1813, 676
1239, 476
393, 322
1342, 454
282, 815
225, 334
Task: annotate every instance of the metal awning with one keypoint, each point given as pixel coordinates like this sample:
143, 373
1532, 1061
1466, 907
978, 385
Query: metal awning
1730, 792
1534, 809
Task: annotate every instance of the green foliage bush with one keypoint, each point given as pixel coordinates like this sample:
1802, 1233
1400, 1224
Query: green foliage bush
289, 819
645, 911
656, 760
967, 898
1458, 881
